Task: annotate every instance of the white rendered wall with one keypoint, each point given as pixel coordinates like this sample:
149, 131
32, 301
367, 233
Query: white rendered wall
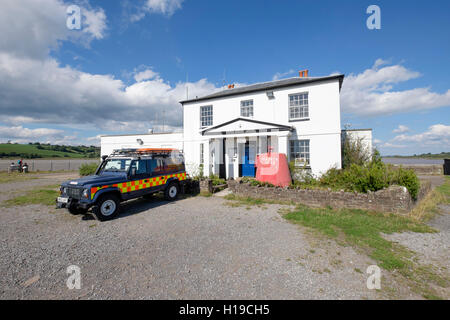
323, 127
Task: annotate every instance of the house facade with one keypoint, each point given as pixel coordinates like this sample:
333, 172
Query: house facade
223, 132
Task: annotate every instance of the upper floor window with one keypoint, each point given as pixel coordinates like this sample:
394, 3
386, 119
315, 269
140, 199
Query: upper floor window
299, 152
206, 116
247, 108
298, 106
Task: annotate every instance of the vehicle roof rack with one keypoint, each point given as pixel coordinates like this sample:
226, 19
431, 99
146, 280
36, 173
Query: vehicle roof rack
145, 152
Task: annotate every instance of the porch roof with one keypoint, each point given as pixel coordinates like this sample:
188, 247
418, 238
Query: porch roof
243, 126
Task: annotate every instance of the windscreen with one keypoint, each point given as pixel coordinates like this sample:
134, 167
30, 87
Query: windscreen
116, 165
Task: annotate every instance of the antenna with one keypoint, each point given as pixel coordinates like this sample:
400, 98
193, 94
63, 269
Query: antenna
187, 86
224, 78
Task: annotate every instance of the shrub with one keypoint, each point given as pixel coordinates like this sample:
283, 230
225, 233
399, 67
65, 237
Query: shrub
354, 152
408, 179
87, 169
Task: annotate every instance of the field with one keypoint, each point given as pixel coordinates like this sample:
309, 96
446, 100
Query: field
32, 151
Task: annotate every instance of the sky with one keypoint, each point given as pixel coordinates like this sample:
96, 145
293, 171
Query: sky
128, 65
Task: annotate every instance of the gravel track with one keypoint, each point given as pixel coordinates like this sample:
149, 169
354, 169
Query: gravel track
194, 248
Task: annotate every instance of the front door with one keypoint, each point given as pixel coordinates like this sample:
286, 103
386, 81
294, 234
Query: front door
248, 163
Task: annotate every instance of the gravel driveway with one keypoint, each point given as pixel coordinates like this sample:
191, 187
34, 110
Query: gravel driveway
194, 248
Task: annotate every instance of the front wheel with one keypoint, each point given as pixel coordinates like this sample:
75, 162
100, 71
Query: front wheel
107, 207
171, 192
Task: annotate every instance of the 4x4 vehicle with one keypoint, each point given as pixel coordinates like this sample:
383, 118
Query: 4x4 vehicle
125, 174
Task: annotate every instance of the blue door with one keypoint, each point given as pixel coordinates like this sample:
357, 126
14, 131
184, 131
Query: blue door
248, 166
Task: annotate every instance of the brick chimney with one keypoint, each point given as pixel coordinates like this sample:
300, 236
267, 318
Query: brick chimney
303, 73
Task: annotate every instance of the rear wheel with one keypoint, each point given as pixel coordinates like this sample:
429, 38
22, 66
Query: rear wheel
171, 192
76, 210
108, 207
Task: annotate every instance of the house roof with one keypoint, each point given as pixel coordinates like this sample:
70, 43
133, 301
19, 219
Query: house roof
266, 86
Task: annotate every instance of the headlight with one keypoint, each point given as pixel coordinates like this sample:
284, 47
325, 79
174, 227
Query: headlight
85, 193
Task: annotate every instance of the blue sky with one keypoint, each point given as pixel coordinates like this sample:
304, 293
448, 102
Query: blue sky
131, 60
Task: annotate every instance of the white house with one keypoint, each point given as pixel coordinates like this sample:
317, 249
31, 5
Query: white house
224, 131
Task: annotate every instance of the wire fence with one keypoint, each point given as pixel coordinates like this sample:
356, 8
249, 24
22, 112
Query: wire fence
49, 165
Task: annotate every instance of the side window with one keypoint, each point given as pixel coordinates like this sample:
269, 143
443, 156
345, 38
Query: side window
152, 165
141, 167
157, 167
173, 165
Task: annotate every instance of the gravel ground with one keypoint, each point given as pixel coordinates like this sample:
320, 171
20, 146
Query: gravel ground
194, 248
8, 190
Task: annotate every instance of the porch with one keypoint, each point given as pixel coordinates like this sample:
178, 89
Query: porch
231, 148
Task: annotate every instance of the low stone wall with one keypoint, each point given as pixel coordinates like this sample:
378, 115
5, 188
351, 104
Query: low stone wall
424, 169
395, 199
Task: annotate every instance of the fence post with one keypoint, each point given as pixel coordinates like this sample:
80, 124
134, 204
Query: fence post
51, 165
69, 166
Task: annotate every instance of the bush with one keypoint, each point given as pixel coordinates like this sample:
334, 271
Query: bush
408, 179
354, 152
87, 169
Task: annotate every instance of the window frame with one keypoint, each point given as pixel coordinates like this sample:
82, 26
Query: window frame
204, 116
300, 107
247, 108
305, 150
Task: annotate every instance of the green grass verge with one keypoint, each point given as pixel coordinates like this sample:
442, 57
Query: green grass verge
364, 230
444, 189
43, 195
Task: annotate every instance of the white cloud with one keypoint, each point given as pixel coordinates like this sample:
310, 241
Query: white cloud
20, 134
145, 75
280, 75
392, 145
377, 141
33, 28
371, 93
164, 7
401, 128
44, 91
438, 134
35, 88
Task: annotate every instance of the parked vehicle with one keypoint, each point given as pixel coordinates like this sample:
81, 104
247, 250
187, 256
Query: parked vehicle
125, 174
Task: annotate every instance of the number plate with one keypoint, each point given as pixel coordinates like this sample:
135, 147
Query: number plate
63, 200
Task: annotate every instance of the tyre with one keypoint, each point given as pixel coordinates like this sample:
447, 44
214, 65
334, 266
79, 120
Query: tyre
171, 192
107, 207
76, 210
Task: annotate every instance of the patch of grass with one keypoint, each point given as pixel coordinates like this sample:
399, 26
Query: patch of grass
6, 177
364, 230
428, 206
205, 194
42, 195
444, 190
252, 201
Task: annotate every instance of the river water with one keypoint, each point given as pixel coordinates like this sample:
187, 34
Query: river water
412, 161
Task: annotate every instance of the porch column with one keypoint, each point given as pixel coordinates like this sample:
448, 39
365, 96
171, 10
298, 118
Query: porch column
283, 144
207, 168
